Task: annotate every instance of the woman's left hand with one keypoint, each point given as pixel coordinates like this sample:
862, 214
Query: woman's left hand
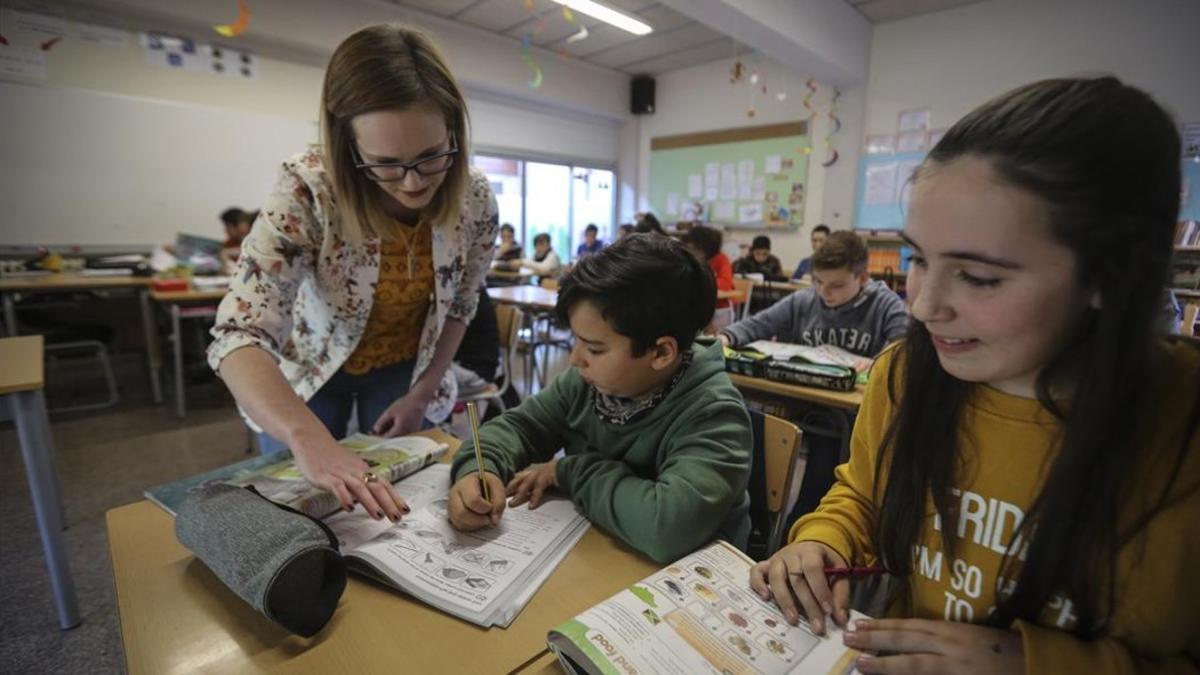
924, 646
403, 416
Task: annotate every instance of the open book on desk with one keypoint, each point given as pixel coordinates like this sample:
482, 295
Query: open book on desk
824, 355
485, 577
277, 478
696, 616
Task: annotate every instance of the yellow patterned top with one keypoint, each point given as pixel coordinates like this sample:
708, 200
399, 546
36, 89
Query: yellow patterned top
393, 331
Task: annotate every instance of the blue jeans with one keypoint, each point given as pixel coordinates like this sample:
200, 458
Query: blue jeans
373, 391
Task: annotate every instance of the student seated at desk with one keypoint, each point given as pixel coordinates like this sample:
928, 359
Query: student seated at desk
545, 262
509, 250
760, 260
657, 439
705, 244
590, 243
1027, 461
819, 234
844, 307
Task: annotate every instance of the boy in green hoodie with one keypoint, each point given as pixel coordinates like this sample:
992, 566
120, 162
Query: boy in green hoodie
656, 438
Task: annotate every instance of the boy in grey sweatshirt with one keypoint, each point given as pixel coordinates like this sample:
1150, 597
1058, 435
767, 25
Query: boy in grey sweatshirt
844, 308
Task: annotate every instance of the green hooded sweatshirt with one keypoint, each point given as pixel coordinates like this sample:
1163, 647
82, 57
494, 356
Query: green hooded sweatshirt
666, 483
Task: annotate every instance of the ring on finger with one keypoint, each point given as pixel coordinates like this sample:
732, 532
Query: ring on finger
370, 477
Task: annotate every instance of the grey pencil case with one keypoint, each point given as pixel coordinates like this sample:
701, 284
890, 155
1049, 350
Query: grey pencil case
282, 562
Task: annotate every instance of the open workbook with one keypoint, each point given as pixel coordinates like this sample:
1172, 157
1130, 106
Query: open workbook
277, 478
696, 616
485, 577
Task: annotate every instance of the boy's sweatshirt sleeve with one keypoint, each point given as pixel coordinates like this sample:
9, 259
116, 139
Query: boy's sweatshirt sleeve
532, 432
702, 476
776, 320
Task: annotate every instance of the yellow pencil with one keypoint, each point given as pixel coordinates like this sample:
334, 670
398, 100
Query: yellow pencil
474, 416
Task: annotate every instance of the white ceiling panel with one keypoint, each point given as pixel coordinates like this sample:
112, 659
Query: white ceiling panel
443, 8
656, 44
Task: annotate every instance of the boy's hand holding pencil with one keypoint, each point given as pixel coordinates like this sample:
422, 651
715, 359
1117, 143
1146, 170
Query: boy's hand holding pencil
478, 500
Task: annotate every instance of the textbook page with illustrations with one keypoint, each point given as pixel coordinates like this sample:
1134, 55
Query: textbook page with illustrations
277, 478
485, 577
697, 616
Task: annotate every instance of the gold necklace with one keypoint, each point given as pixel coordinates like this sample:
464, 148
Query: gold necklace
408, 240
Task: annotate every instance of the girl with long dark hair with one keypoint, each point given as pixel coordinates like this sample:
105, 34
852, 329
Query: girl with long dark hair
1026, 463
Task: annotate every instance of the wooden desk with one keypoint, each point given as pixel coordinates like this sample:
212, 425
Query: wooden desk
71, 281
21, 384
533, 297
177, 617
175, 302
546, 664
841, 404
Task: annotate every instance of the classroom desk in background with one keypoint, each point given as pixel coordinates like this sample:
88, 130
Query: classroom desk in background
21, 387
177, 617
840, 404
538, 305
67, 282
189, 304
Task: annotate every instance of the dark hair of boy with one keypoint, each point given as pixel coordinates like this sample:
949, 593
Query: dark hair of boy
842, 250
761, 242
821, 228
648, 223
232, 216
591, 228
705, 239
647, 287
507, 228
541, 238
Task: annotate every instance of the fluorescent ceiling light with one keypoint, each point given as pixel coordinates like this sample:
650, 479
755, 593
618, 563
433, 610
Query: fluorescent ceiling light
608, 15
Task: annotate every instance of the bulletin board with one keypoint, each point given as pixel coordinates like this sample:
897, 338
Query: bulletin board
883, 186
753, 177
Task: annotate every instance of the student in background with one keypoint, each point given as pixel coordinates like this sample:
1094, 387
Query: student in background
844, 307
545, 262
509, 249
705, 243
657, 439
1027, 461
819, 234
646, 222
759, 260
355, 289
237, 225
624, 230
590, 243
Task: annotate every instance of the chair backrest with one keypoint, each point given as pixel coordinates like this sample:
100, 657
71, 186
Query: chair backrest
776, 478
744, 287
1188, 327
549, 283
508, 324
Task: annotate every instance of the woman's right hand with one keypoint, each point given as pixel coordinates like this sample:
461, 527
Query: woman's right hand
795, 575
329, 465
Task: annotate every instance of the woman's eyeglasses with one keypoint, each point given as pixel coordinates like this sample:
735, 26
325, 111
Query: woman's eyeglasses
388, 172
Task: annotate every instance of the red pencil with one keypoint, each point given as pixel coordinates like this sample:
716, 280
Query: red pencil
854, 571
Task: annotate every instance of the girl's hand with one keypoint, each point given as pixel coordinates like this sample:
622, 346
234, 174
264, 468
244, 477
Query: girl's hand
328, 465
531, 484
795, 579
403, 416
923, 646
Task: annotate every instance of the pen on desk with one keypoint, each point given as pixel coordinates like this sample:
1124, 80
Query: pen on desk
474, 417
867, 571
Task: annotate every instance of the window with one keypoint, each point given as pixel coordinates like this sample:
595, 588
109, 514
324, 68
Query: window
558, 199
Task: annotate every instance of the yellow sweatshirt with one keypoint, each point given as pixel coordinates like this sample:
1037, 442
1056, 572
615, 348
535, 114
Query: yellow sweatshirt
1155, 626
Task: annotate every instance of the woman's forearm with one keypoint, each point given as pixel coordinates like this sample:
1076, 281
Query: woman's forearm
262, 391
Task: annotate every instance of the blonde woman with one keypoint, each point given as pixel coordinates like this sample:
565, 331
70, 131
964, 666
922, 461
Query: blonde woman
356, 283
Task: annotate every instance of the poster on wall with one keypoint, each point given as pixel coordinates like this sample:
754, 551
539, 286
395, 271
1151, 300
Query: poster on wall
23, 62
915, 119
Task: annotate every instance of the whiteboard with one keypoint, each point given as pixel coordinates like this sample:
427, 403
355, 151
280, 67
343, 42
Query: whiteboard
91, 168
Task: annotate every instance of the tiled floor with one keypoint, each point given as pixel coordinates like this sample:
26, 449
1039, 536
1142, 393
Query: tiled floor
105, 459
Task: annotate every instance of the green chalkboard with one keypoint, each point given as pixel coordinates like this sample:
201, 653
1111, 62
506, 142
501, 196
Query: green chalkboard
754, 177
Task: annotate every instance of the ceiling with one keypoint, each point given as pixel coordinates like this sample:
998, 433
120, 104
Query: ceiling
677, 41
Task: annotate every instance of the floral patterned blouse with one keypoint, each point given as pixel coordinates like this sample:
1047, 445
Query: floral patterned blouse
303, 292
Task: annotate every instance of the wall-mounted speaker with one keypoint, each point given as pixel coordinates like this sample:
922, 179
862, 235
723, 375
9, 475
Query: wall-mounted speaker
642, 95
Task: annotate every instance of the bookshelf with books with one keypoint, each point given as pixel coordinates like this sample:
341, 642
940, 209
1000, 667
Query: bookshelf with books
887, 258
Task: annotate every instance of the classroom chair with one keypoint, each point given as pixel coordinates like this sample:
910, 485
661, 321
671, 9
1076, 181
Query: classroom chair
775, 478
745, 289
508, 321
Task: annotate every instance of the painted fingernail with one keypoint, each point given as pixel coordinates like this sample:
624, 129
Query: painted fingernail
349, 508
379, 514
405, 508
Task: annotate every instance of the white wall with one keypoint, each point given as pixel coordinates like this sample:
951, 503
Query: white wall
702, 99
954, 60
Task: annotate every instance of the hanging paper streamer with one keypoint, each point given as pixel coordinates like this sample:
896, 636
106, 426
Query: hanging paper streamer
836, 127
237, 27
528, 59
812, 112
570, 18
49, 44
